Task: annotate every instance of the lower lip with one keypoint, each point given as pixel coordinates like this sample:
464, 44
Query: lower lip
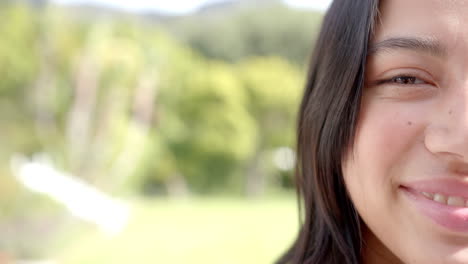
450, 217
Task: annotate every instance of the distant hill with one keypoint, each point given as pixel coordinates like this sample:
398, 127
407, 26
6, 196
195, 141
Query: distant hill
230, 30
222, 6
209, 9
234, 30
214, 9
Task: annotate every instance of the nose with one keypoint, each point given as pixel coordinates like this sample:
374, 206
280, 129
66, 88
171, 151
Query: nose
447, 132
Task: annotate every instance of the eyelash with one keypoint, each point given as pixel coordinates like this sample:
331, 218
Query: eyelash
400, 80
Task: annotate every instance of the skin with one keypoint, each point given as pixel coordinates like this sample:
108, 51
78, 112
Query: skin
411, 129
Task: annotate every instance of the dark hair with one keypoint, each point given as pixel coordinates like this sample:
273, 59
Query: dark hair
331, 229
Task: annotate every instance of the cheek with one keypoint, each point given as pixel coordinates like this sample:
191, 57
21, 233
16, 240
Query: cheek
382, 134
386, 135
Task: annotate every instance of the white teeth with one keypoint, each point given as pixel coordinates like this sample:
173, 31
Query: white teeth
440, 198
428, 195
448, 200
456, 201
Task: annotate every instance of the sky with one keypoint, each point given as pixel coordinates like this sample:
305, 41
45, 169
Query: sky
183, 6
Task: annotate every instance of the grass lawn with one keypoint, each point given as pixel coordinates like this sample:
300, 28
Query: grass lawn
202, 230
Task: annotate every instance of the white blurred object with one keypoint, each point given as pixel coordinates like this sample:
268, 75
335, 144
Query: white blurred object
320, 5
81, 199
284, 158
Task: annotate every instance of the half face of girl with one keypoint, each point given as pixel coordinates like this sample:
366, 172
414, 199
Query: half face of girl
407, 172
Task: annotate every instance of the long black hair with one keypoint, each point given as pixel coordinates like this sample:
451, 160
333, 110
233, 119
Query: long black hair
330, 227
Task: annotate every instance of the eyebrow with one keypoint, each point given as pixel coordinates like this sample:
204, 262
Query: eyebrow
427, 45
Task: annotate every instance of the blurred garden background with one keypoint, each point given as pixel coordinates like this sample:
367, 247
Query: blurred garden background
149, 137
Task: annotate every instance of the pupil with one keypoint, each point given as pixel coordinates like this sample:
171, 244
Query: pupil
405, 80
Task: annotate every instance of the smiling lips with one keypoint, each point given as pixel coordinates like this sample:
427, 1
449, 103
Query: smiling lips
443, 200
449, 191
456, 201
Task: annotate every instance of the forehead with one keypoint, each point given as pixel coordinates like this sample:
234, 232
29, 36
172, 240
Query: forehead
443, 20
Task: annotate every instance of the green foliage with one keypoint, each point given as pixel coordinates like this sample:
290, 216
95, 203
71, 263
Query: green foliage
273, 30
18, 43
121, 104
128, 108
274, 87
218, 132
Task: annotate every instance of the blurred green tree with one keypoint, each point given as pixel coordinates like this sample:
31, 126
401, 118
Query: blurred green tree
123, 106
274, 87
233, 34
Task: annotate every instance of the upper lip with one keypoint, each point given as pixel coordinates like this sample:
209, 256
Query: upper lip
445, 186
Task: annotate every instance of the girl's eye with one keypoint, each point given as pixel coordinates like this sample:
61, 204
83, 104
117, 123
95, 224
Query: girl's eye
405, 80
405, 87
